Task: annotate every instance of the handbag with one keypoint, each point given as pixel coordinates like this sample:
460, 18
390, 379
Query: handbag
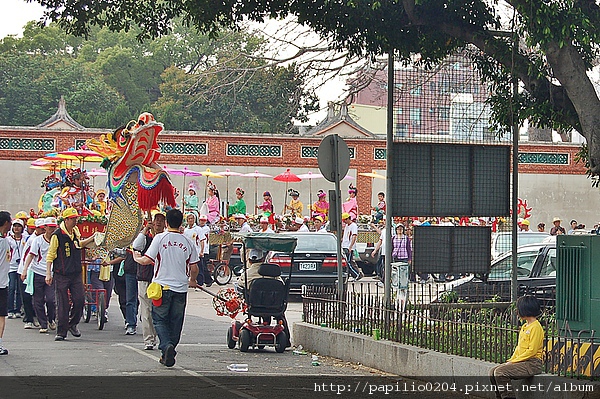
104, 273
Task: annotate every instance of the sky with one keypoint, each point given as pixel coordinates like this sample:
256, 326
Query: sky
15, 14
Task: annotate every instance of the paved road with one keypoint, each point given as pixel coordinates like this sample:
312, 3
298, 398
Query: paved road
202, 357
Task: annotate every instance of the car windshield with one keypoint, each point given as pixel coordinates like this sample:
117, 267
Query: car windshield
504, 241
315, 243
502, 269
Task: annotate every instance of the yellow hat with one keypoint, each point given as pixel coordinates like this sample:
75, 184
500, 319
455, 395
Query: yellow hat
31, 222
96, 213
154, 291
101, 191
345, 216
21, 215
319, 218
70, 213
525, 222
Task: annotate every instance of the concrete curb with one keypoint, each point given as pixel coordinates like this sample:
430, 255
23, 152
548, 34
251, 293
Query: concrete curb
411, 361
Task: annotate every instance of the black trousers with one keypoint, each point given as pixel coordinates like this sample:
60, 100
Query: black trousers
68, 313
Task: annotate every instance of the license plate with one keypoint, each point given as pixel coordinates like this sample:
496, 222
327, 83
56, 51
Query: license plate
307, 266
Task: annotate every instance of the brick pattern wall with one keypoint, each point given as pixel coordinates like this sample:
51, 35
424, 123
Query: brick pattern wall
291, 150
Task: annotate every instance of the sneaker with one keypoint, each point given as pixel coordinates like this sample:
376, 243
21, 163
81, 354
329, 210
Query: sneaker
18, 315
11, 316
209, 285
130, 331
169, 356
148, 347
59, 338
29, 326
43, 330
106, 316
74, 331
52, 325
36, 323
351, 279
3, 350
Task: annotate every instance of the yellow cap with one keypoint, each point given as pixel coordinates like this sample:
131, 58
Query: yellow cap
70, 213
31, 222
154, 291
21, 215
345, 215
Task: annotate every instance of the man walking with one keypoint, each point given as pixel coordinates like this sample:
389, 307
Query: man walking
175, 261
349, 245
144, 277
5, 255
64, 260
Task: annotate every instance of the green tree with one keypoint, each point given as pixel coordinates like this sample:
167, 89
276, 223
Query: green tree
559, 49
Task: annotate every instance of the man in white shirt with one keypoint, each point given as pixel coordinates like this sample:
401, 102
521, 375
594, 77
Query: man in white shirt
319, 225
241, 220
44, 298
5, 256
204, 276
175, 268
302, 227
349, 245
16, 241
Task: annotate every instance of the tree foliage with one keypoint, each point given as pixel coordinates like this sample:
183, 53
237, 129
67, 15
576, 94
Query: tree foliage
559, 42
187, 80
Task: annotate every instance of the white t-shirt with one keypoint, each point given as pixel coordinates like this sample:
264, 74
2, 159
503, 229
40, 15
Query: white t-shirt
204, 232
39, 249
26, 251
350, 230
17, 247
5, 257
246, 228
172, 253
195, 235
303, 228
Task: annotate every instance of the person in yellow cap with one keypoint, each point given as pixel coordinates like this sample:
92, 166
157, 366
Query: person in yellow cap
349, 246
525, 226
319, 225
30, 226
100, 201
63, 266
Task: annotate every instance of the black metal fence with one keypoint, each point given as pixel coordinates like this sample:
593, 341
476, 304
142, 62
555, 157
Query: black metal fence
482, 330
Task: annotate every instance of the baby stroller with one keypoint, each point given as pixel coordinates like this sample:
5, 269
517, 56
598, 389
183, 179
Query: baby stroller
266, 299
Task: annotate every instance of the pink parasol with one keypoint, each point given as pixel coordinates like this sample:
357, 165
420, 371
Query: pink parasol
82, 156
310, 176
94, 173
228, 173
182, 172
286, 177
256, 174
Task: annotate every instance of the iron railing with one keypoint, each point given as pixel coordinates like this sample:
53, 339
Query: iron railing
482, 330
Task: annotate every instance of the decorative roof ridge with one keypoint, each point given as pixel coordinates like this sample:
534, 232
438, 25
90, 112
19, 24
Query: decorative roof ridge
61, 114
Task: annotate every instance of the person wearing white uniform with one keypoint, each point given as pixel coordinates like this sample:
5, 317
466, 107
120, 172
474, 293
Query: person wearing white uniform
175, 261
44, 299
204, 276
5, 256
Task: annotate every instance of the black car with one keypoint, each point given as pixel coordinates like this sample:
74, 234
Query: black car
315, 260
536, 275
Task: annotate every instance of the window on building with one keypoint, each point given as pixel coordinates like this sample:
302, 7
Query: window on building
415, 116
444, 113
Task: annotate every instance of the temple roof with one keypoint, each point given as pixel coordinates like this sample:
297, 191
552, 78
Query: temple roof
61, 119
338, 121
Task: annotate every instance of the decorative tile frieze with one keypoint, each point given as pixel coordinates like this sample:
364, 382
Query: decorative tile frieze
313, 152
544, 158
380, 154
180, 148
254, 150
7, 143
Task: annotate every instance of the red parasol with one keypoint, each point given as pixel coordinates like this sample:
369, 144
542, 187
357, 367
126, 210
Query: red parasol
82, 156
286, 177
